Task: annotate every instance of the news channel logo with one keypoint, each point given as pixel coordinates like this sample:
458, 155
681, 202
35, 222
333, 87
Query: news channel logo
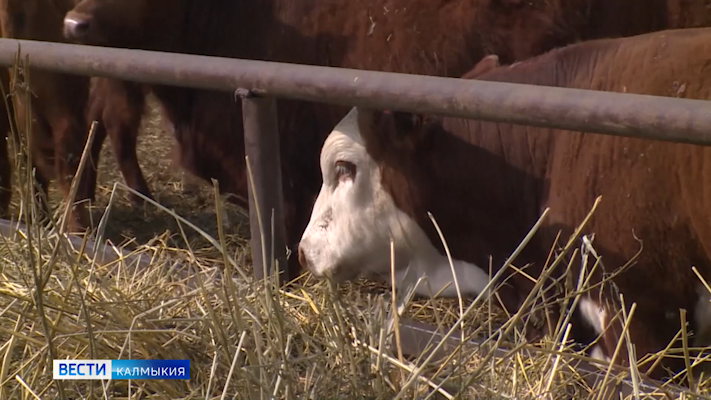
120, 369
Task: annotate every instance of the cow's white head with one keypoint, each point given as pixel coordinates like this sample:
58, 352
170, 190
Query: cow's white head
355, 218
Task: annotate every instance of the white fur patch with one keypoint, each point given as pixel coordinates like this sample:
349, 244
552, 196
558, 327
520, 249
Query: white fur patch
593, 314
596, 316
353, 222
70, 23
597, 354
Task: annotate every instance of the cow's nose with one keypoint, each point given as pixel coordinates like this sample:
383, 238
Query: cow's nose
76, 26
302, 258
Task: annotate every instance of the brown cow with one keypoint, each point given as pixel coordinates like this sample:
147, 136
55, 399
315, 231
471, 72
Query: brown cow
487, 183
58, 101
423, 36
61, 109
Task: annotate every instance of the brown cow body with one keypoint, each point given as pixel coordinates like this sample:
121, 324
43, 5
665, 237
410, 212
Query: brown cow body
58, 101
486, 184
423, 37
62, 104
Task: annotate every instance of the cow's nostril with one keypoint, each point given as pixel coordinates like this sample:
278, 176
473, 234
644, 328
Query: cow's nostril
302, 258
81, 27
75, 28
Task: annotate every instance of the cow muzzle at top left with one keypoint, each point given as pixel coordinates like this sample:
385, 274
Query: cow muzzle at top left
77, 26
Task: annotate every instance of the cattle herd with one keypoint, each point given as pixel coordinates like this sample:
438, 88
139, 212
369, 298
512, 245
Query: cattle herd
351, 189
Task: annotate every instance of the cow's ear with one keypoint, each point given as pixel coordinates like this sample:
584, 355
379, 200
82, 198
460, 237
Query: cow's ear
484, 65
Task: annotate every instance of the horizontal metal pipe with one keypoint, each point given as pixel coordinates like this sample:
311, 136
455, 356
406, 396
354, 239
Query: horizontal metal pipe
653, 117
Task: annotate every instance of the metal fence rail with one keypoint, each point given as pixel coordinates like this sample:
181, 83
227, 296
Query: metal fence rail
653, 117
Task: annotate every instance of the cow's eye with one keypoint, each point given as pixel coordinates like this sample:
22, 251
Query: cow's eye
345, 170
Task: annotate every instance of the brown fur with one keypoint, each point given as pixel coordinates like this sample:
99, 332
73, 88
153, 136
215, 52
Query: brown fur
118, 106
61, 108
433, 37
485, 65
654, 194
57, 101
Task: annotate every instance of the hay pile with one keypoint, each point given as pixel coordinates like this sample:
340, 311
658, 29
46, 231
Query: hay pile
248, 339
244, 339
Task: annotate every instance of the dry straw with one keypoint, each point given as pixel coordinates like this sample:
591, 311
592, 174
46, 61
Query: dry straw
250, 339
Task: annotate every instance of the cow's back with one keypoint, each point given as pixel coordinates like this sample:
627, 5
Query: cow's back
655, 194
670, 63
662, 186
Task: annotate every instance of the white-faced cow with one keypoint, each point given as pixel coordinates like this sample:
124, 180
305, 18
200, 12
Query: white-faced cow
486, 184
429, 37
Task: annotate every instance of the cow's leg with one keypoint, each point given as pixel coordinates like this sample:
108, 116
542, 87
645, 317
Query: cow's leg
123, 140
69, 137
87, 185
41, 152
43, 168
41, 197
122, 115
38, 138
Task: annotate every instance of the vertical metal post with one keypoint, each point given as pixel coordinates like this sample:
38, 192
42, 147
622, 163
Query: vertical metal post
261, 141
